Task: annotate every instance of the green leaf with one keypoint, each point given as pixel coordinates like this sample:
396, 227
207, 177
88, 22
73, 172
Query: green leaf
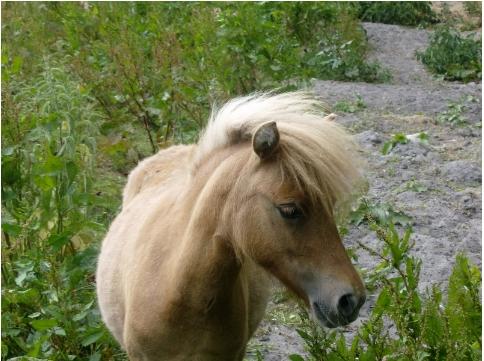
423, 137
402, 219
57, 241
34, 315
27, 297
387, 147
8, 151
52, 165
24, 270
296, 357
80, 316
72, 170
303, 334
12, 229
95, 357
11, 173
369, 355
41, 325
422, 355
383, 302
35, 350
16, 64
92, 337
45, 183
400, 138
59, 331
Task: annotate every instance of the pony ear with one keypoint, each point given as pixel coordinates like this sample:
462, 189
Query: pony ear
265, 140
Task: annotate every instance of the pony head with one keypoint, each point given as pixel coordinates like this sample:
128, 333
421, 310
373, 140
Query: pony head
295, 167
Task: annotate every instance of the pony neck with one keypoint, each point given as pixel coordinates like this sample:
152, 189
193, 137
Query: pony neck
208, 261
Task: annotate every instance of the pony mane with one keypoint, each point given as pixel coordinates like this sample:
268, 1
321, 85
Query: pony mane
314, 151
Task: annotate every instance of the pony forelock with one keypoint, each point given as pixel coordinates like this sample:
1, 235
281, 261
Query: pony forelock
315, 152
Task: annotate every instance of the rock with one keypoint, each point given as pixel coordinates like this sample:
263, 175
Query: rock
409, 199
470, 201
462, 171
410, 150
368, 138
419, 158
464, 132
347, 119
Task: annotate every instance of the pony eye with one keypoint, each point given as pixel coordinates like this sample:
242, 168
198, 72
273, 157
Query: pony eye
290, 211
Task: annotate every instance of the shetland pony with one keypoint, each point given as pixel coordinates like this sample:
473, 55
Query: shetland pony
184, 271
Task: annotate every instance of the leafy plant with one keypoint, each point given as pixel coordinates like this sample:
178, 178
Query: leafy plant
80, 108
381, 214
350, 107
423, 137
473, 8
398, 138
414, 186
454, 114
50, 217
452, 55
397, 12
469, 20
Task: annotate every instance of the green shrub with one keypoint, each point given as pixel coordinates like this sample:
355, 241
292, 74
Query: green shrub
473, 8
51, 218
452, 55
161, 65
411, 13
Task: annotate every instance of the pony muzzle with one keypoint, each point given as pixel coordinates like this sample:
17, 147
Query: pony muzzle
339, 311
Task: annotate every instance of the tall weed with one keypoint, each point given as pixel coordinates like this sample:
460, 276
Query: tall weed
408, 13
50, 220
453, 55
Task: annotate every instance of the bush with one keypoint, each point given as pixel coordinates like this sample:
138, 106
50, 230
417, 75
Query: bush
410, 13
473, 8
453, 56
161, 65
51, 218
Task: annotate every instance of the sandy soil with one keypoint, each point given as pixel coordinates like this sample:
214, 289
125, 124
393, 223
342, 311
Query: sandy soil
447, 214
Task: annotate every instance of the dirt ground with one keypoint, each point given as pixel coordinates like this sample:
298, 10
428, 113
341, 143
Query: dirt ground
446, 211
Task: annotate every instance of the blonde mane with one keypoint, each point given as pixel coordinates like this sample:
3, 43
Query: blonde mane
314, 151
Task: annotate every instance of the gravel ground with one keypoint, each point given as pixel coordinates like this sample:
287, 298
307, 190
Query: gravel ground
446, 213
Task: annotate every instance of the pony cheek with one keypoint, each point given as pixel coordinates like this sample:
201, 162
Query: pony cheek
286, 272
252, 233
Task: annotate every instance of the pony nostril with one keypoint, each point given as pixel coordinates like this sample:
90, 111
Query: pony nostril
348, 304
